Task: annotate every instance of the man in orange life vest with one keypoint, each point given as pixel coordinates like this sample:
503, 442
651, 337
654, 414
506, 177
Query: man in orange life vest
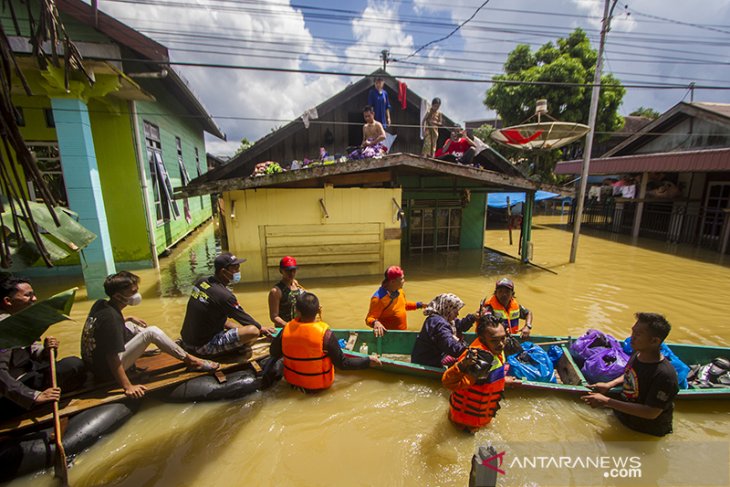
478, 379
310, 349
504, 306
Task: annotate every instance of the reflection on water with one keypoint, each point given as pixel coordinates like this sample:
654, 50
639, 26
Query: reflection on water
372, 428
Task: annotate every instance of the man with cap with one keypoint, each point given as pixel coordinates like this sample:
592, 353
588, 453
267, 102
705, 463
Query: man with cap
283, 296
503, 305
388, 305
214, 321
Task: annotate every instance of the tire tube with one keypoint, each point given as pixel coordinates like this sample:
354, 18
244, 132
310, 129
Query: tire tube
207, 388
31, 452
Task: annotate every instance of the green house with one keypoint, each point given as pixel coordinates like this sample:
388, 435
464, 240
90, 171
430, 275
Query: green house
113, 151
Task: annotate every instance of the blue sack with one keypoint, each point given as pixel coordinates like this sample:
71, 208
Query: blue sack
533, 364
681, 368
555, 352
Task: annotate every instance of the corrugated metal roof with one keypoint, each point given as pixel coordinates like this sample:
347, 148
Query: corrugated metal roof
719, 108
688, 161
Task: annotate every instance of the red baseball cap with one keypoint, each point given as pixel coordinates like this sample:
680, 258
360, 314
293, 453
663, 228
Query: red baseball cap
393, 272
288, 263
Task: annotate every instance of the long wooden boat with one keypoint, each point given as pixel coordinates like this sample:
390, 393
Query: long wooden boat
395, 351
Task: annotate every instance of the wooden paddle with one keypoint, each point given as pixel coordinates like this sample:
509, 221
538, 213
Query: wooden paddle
60, 467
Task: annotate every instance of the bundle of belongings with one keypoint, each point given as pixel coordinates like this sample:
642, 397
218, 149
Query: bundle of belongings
714, 374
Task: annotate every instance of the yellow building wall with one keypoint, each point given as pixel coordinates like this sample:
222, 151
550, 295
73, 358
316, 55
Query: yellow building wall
359, 235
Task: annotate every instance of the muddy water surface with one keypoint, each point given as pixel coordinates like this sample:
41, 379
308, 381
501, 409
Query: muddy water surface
376, 429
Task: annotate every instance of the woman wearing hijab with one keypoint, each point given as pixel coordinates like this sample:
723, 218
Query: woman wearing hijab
440, 341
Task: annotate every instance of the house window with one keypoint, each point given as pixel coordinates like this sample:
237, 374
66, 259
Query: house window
49, 163
718, 198
50, 121
434, 225
184, 177
162, 199
200, 172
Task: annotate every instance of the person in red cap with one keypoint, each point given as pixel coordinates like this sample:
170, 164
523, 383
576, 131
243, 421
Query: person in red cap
388, 305
503, 305
283, 296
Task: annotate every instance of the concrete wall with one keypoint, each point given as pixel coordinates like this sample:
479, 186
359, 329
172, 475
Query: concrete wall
361, 236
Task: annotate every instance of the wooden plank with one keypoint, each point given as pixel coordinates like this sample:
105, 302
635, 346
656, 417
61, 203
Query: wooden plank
342, 258
567, 370
315, 240
392, 234
160, 379
305, 250
328, 229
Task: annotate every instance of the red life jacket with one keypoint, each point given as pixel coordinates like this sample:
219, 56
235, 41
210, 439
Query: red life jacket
306, 364
512, 314
476, 406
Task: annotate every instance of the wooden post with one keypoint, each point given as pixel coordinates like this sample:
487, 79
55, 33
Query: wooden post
509, 220
526, 239
640, 205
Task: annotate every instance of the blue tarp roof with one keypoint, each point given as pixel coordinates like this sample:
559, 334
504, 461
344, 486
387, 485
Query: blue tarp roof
499, 200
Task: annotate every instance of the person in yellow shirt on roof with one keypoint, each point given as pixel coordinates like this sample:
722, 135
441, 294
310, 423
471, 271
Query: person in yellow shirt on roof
388, 305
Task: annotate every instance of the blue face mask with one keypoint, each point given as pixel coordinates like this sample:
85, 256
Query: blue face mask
236, 278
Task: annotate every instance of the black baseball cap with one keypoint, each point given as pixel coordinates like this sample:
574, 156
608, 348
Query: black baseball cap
226, 259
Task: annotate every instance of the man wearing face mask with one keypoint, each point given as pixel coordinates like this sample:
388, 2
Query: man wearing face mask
110, 344
214, 321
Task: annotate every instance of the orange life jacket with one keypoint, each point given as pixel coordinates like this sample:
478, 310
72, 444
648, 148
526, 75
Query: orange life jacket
512, 314
476, 406
306, 364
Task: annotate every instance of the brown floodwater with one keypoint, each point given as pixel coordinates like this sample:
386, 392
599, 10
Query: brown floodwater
372, 428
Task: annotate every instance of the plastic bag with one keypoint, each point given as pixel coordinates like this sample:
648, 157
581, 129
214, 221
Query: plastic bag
681, 368
605, 365
555, 352
532, 364
592, 342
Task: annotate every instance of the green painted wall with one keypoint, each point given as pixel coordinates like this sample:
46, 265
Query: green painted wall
167, 114
111, 126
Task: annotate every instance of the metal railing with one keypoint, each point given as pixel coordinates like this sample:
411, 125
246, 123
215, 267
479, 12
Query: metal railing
672, 221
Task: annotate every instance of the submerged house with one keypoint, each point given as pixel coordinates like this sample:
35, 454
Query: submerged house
353, 217
677, 171
112, 151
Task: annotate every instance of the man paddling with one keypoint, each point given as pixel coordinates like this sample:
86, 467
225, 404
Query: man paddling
25, 371
503, 305
649, 381
310, 350
214, 321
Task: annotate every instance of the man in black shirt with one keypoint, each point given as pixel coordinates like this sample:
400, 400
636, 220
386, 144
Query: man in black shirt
649, 381
207, 329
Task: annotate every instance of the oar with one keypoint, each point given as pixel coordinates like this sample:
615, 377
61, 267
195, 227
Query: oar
60, 468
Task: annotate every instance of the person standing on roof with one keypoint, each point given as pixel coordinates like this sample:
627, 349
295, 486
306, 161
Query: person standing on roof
283, 296
504, 306
378, 99
388, 305
431, 123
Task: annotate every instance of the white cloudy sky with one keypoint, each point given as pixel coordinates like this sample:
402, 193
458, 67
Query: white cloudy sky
651, 42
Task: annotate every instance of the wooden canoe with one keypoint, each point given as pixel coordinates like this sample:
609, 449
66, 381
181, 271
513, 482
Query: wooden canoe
158, 372
396, 346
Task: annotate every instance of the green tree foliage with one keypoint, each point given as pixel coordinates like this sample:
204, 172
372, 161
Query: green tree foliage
245, 144
645, 112
570, 60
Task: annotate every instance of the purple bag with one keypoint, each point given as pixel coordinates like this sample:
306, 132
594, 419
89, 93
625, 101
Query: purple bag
605, 365
592, 342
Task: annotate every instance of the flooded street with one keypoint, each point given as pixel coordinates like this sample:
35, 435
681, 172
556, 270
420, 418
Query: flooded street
372, 428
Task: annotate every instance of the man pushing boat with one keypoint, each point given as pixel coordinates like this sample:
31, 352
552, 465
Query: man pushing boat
649, 381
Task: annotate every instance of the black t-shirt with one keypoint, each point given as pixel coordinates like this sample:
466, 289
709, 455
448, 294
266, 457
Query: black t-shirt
209, 306
104, 333
655, 385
